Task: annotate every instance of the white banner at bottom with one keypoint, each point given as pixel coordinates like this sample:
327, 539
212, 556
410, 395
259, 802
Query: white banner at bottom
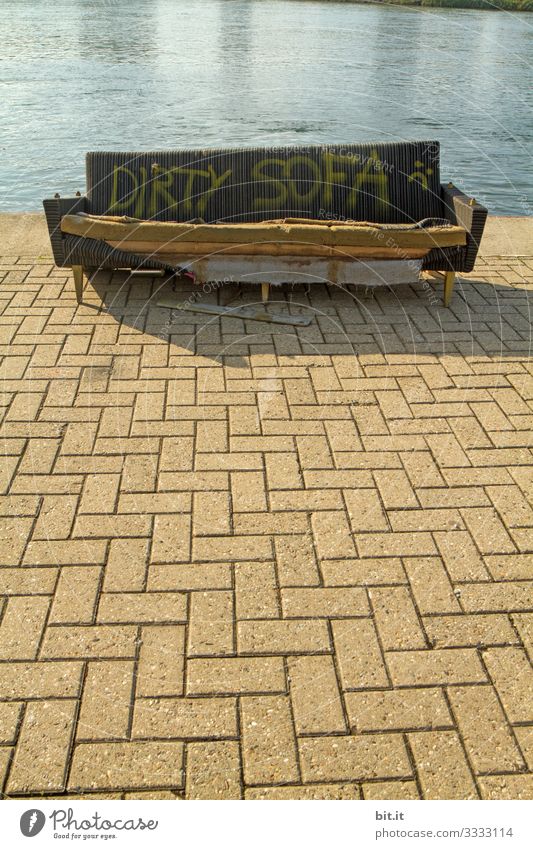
258, 825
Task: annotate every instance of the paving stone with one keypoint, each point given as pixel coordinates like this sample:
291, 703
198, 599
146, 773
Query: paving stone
89, 641
396, 618
484, 729
489, 534
315, 696
22, 627
171, 538
9, 720
36, 680
505, 596
39, 456
230, 461
108, 766
396, 710
359, 654
370, 420
523, 622
512, 676
385, 570
283, 471
248, 491
28, 581
268, 741
525, 740
14, 535
76, 595
211, 620
213, 770
332, 535
155, 502
296, 561
308, 500
447, 450
107, 700
99, 493
43, 748
186, 576
482, 629
459, 496
337, 479
126, 565
161, 662
365, 510
278, 636
256, 594
211, 436
107, 525
139, 473
507, 787
354, 758
314, 452
216, 548
177, 451
235, 675
440, 666
211, 513
442, 766
324, 602
431, 585
377, 790
304, 791
185, 718
511, 505
142, 607
395, 489
66, 552
509, 567
395, 545
393, 405
460, 555
270, 523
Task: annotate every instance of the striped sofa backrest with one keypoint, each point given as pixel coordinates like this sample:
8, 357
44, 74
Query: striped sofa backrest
382, 182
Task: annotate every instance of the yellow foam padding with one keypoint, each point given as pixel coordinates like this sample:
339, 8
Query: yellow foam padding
171, 252
123, 231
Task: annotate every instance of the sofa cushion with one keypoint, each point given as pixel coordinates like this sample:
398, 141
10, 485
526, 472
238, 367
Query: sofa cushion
173, 234
170, 242
381, 182
146, 236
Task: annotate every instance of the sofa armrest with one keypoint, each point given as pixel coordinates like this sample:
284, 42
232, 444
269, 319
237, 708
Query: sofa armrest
468, 213
55, 209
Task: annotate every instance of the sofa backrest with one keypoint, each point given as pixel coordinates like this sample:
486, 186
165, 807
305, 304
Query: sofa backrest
382, 182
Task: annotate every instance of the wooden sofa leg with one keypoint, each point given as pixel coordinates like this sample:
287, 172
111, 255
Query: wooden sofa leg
449, 280
265, 291
78, 281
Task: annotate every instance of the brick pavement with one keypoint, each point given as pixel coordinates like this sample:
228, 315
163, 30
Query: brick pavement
248, 561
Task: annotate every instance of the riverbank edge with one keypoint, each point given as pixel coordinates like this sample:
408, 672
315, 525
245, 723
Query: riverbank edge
26, 234
477, 5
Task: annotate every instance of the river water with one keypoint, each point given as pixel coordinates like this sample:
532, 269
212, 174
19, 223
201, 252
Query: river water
80, 75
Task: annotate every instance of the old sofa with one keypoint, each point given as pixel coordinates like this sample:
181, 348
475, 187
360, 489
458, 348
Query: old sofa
270, 215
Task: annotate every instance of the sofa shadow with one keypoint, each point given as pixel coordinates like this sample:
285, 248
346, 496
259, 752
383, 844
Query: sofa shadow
484, 319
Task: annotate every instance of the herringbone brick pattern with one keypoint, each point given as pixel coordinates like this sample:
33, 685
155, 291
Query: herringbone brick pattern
241, 560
